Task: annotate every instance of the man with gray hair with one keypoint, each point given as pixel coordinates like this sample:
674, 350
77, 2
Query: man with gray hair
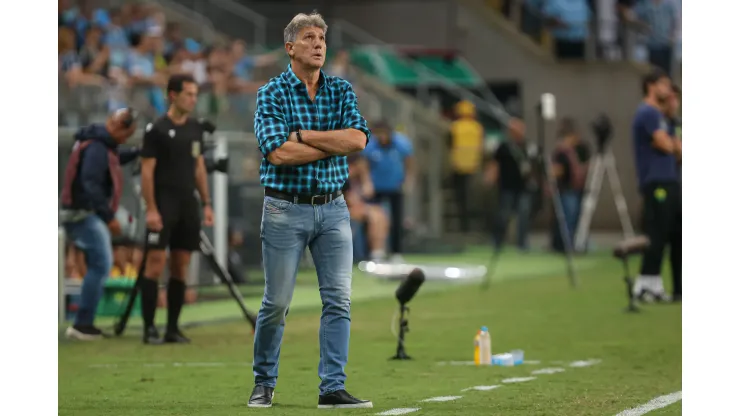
306, 123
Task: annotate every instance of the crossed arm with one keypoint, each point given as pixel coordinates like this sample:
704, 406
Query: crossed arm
281, 147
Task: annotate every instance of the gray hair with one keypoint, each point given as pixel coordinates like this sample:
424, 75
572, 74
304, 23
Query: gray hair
302, 21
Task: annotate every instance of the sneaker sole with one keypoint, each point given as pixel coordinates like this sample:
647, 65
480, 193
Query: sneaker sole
260, 406
368, 405
72, 333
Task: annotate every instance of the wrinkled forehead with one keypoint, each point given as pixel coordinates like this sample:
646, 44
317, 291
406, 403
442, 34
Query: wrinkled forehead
310, 30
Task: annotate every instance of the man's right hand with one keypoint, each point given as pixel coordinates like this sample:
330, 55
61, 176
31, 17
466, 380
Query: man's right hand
115, 227
153, 220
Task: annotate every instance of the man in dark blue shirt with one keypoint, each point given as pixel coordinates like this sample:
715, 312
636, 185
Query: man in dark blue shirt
656, 156
306, 124
91, 192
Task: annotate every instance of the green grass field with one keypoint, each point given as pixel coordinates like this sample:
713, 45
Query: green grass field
530, 306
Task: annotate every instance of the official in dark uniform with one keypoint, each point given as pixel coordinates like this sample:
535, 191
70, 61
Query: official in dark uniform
172, 169
657, 154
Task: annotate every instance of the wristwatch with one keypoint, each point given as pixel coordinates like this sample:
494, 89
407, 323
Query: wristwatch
298, 135
206, 204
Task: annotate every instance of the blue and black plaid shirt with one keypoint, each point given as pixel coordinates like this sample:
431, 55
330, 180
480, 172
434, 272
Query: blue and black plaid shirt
283, 106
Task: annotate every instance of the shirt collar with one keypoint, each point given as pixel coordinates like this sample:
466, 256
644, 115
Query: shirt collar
294, 81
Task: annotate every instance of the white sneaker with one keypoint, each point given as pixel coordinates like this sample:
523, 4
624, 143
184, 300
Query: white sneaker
649, 289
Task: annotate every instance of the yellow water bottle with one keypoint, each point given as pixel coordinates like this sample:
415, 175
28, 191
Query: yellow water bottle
476, 343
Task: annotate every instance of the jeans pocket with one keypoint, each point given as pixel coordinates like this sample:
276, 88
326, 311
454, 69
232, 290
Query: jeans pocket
275, 206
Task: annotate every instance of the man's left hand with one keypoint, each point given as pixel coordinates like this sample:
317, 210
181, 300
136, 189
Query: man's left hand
293, 137
208, 216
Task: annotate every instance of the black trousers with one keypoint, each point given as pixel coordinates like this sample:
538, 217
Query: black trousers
461, 183
395, 201
662, 216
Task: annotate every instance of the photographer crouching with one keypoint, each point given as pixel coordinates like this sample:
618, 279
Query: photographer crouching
92, 189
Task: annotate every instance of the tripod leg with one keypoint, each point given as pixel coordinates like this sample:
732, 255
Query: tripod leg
619, 199
207, 249
567, 243
491, 271
593, 189
120, 326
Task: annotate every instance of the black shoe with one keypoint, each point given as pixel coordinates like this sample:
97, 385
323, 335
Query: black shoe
176, 337
261, 397
340, 399
85, 333
151, 336
676, 298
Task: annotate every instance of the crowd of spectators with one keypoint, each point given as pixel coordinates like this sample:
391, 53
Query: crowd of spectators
643, 30
136, 47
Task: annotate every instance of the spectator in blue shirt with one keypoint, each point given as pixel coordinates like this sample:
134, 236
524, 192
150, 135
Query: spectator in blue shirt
389, 156
570, 21
662, 19
141, 71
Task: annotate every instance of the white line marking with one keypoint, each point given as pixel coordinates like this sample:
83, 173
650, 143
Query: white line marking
481, 388
399, 411
103, 365
517, 379
552, 370
161, 365
656, 403
456, 363
442, 399
584, 363
533, 362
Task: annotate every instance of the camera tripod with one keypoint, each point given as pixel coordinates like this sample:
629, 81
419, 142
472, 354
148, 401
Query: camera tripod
603, 163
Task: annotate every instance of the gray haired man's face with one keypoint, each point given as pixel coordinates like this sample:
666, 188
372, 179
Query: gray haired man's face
309, 48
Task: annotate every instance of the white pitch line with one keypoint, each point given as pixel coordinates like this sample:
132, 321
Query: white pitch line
654, 404
584, 363
161, 365
481, 388
441, 399
552, 370
399, 411
517, 379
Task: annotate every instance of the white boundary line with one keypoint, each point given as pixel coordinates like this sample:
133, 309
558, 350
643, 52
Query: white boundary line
517, 380
161, 365
399, 411
441, 399
654, 404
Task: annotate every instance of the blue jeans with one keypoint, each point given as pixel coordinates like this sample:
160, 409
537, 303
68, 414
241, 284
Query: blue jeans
510, 202
570, 201
91, 235
287, 229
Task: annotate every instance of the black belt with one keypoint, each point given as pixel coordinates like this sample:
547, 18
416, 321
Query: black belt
303, 198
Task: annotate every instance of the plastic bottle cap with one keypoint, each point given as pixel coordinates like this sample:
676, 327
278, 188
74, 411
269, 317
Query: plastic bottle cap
484, 328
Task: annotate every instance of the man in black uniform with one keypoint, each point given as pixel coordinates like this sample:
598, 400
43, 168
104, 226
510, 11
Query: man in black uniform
172, 168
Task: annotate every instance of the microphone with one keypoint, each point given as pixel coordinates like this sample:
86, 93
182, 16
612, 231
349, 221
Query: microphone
410, 286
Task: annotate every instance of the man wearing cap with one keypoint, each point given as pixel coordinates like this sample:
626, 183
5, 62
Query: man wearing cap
93, 184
